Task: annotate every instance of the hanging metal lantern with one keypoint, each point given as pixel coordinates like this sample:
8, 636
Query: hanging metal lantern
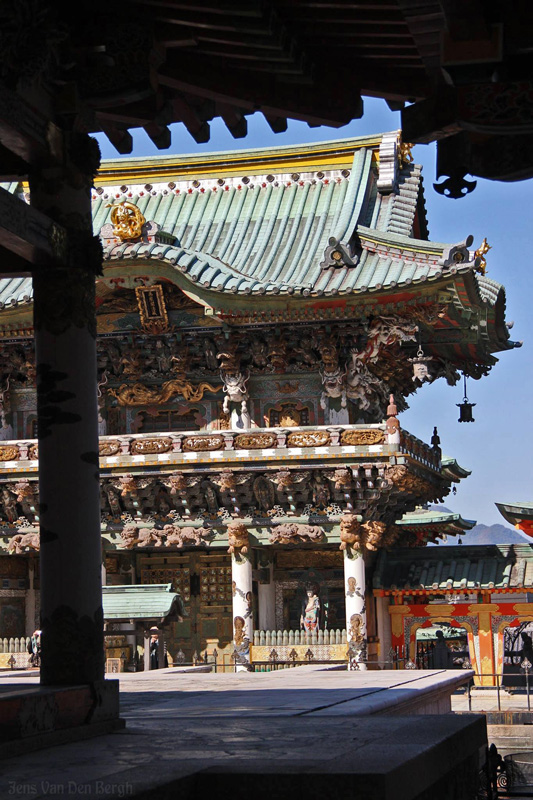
420, 366
465, 408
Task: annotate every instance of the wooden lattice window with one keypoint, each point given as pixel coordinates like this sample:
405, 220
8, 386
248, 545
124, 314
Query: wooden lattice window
215, 585
178, 576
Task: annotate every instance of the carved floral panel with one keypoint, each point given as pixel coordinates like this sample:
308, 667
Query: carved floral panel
308, 439
201, 443
144, 446
368, 436
255, 441
9, 452
108, 448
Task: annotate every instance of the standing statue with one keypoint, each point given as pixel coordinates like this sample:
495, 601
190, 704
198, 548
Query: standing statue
6, 429
334, 387
236, 395
311, 607
162, 356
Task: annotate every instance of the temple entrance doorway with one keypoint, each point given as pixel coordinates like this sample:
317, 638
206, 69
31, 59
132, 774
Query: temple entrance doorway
204, 583
442, 645
518, 655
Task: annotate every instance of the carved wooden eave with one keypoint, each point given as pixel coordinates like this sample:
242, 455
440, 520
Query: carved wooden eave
194, 64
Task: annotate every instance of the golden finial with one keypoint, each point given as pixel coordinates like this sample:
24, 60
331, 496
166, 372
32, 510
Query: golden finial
404, 151
406, 157
480, 253
127, 220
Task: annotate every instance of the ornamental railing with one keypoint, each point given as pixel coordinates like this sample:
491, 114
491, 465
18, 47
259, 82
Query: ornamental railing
357, 440
288, 638
419, 450
15, 644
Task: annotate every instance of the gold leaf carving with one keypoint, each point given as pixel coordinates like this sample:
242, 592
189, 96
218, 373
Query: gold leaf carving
255, 441
308, 439
127, 220
201, 443
33, 452
368, 436
142, 446
109, 448
9, 452
139, 395
152, 308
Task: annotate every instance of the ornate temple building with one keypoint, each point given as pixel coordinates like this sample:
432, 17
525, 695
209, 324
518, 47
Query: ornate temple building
262, 318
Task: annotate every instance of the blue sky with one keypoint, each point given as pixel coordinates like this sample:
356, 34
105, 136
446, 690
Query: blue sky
497, 447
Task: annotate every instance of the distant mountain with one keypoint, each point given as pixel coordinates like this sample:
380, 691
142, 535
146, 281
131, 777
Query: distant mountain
485, 534
490, 534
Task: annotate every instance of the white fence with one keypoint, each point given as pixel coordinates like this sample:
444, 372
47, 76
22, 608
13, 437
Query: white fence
278, 638
15, 645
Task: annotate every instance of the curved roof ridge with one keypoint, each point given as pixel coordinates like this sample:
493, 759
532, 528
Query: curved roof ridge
228, 157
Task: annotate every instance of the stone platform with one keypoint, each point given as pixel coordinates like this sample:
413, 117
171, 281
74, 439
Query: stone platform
34, 716
306, 730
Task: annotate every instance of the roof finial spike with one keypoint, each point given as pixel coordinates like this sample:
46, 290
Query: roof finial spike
392, 410
435, 439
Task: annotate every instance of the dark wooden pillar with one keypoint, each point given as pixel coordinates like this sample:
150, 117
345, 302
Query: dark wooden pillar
65, 348
160, 648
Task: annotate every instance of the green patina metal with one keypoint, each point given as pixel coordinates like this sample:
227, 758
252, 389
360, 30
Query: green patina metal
456, 569
152, 602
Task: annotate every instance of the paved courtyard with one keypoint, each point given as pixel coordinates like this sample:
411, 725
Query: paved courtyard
178, 724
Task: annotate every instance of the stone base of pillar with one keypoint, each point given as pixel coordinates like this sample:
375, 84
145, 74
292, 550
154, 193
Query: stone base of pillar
43, 717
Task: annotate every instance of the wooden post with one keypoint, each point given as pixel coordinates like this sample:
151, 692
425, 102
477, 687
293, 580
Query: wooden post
65, 355
161, 648
147, 636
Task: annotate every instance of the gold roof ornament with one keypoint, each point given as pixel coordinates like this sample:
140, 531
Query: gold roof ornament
483, 249
127, 220
404, 151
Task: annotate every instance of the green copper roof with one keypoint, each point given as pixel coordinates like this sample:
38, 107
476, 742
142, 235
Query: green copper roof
452, 569
275, 232
513, 512
425, 516
271, 234
15, 291
453, 470
151, 602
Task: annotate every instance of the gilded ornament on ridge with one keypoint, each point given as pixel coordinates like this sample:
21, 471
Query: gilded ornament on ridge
127, 220
480, 254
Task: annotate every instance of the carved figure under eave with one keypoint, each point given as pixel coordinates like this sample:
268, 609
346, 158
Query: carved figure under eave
236, 399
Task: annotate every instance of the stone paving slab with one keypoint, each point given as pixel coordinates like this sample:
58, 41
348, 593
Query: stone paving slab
192, 736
